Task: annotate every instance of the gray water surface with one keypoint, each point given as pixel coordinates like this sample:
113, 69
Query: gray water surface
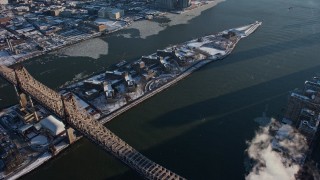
199, 127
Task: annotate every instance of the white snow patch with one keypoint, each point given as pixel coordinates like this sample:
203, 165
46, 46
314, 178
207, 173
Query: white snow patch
111, 25
195, 44
6, 59
212, 51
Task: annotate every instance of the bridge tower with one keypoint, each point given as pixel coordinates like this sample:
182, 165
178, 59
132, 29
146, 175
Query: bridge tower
38, 91
26, 103
69, 130
70, 134
26, 106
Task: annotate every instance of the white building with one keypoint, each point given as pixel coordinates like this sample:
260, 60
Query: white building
53, 125
3, 1
111, 13
107, 88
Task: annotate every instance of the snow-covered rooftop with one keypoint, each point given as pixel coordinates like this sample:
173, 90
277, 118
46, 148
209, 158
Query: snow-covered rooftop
53, 125
82, 104
39, 140
300, 96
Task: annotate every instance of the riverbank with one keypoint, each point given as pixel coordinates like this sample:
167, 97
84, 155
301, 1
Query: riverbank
79, 47
148, 28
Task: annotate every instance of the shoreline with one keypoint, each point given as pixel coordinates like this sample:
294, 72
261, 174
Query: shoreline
15, 59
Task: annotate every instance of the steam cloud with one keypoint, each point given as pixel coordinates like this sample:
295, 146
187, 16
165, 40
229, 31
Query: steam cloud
277, 151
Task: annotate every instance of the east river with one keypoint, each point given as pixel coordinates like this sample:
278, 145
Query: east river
199, 127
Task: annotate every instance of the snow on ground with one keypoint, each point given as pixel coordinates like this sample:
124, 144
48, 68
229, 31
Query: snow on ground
104, 106
212, 51
42, 159
92, 48
114, 106
32, 166
6, 59
100, 103
96, 47
243, 28
149, 28
111, 25
81, 103
195, 44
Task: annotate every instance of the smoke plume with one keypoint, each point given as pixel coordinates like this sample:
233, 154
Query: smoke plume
277, 152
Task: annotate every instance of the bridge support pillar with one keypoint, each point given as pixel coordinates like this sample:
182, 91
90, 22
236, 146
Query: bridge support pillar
31, 113
70, 135
33, 109
21, 98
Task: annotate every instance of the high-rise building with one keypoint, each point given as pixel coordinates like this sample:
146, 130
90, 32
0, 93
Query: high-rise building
166, 4
183, 4
172, 4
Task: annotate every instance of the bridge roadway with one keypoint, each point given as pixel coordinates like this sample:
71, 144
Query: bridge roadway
67, 108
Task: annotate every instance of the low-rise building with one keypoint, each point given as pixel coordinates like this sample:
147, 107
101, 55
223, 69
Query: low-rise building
108, 90
4, 2
53, 125
4, 20
96, 26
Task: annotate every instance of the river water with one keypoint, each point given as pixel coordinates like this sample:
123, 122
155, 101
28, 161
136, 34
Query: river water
199, 127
